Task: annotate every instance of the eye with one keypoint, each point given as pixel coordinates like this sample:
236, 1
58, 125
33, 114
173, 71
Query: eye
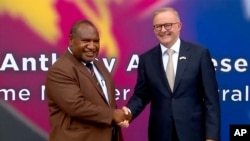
96, 41
157, 26
167, 25
85, 40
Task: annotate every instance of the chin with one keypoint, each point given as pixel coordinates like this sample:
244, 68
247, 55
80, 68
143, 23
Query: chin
165, 43
165, 40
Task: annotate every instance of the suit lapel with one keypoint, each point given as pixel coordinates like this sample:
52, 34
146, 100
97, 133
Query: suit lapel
183, 59
158, 66
104, 74
86, 72
83, 69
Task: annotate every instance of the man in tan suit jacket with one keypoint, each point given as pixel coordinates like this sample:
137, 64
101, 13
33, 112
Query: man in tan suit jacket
82, 103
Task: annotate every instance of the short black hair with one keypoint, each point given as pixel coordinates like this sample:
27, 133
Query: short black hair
76, 25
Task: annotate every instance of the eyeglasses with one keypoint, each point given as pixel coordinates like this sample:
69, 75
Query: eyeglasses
167, 26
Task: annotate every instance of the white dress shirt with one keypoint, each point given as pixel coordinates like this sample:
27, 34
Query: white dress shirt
101, 81
176, 48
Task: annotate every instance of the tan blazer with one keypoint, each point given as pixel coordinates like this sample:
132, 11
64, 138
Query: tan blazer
78, 110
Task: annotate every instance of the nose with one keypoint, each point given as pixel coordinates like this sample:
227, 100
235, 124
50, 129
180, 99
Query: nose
163, 28
91, 44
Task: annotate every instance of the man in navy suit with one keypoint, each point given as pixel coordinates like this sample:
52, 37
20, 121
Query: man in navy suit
190, 111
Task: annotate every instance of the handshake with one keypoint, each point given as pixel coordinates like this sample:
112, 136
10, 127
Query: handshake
122, 117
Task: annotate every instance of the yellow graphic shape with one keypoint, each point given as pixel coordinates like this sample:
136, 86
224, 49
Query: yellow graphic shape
39, 15
102, 19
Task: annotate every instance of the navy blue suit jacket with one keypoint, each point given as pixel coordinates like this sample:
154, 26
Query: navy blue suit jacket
193, 106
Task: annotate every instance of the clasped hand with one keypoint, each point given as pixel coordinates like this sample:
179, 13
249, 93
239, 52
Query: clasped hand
122, 117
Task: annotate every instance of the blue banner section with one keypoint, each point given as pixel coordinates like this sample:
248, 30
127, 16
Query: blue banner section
224, 27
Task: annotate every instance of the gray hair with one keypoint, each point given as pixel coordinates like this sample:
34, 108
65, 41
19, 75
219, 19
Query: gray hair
163, 9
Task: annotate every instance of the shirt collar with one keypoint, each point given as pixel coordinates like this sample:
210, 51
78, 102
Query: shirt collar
175, 47
70, 50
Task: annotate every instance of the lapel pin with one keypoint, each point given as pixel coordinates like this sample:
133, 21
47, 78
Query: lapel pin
183, 57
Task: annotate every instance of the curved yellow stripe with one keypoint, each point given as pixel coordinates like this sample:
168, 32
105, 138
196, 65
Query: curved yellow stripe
39, 15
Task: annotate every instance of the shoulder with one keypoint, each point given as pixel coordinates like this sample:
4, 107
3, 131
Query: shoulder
192, 45
194, 48
60, 62
155, 50
65, 63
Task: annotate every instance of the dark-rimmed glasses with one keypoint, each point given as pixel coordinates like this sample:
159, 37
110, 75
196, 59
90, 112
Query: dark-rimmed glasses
167, 26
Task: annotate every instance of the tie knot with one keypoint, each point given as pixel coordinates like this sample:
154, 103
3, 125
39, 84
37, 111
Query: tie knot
89, 66
170, 52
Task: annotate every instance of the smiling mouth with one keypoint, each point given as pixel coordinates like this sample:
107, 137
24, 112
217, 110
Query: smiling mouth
90, 54
165, 35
